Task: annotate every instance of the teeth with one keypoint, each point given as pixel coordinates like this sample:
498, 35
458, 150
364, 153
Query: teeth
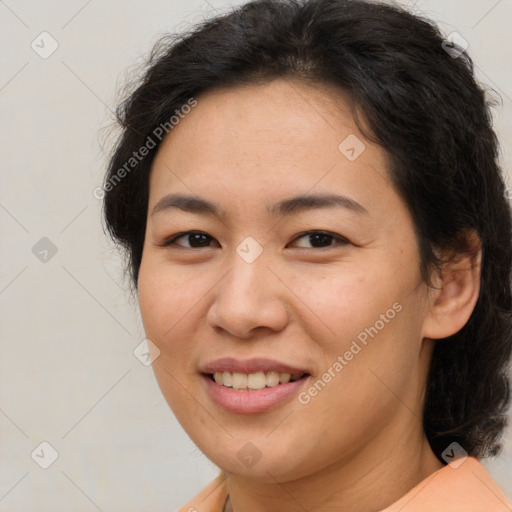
227, 379
284, 377
239, 380
272, 379
256, 380
253, 381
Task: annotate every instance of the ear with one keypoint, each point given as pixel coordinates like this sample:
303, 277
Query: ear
455, 290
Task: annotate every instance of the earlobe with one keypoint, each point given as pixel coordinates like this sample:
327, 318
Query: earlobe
456, 292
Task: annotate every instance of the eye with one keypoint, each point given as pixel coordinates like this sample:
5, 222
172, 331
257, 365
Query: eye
199, 239
194, 239
319, 239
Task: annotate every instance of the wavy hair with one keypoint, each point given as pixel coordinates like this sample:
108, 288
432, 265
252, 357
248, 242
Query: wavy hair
420, 102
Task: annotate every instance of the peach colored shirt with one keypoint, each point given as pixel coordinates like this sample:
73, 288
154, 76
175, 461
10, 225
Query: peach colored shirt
466, 488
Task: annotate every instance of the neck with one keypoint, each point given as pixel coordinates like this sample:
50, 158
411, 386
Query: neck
364, 482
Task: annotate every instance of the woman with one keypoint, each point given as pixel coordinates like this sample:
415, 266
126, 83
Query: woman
319, 237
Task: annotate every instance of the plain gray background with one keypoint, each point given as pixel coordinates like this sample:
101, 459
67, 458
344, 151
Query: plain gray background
68, 375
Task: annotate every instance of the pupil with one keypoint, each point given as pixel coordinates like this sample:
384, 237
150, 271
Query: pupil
198, 238
321, 239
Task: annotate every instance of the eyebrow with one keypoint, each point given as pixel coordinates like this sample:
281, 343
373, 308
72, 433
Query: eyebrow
285, 207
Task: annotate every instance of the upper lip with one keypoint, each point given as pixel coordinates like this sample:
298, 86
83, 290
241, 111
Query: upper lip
230, 364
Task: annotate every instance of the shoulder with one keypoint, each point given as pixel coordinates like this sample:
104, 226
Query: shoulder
462, 486
210, 499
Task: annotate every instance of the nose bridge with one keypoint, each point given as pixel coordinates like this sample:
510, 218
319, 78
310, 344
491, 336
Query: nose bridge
248, 296
248, 265
248, 277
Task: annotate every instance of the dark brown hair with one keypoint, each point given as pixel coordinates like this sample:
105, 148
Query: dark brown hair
420, 102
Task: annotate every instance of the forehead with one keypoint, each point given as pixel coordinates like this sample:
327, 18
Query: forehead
273, 138
282, 111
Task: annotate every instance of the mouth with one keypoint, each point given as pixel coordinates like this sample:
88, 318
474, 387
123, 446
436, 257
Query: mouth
255, 385
254, 381
257, 392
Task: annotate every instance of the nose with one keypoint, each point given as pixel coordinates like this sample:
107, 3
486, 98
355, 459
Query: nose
249, 298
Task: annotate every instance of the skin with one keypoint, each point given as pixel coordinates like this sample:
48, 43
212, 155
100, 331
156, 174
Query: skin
358, 445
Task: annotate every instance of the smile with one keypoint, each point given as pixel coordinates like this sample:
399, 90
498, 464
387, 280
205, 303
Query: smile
253, 381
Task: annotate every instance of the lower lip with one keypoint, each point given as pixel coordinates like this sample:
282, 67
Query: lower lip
242, 401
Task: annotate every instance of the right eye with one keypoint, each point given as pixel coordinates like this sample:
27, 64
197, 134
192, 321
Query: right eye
194, 239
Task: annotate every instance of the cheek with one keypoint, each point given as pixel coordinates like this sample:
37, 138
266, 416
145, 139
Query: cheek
165, 305
172, 305
349, 300
165, 291
155, 299
372, 318
164, 301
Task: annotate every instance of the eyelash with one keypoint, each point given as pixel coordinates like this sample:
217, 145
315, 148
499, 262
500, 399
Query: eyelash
342, 240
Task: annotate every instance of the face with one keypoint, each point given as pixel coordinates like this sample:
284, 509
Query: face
276, 246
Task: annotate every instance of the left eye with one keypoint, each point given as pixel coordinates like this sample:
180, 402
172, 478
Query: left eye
320, 239
195, 239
